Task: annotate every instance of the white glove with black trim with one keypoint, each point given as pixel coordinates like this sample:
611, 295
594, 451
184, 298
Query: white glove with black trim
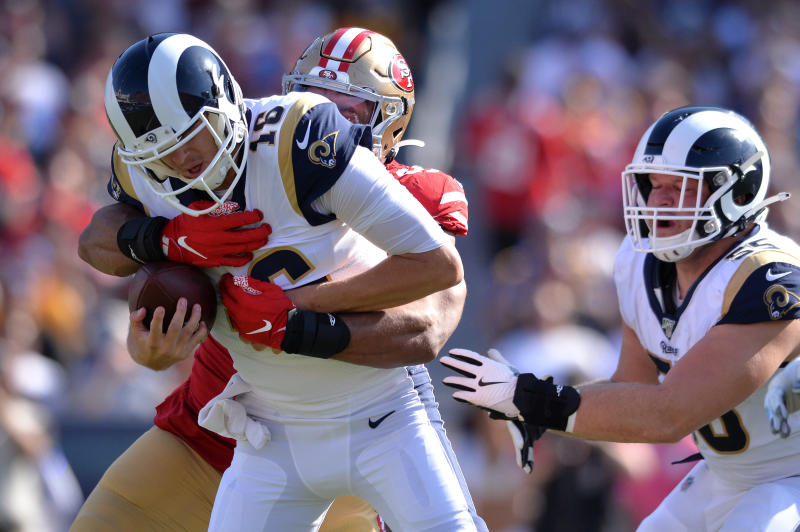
485, 382
783, 398
493, 368
523, 444
522, 434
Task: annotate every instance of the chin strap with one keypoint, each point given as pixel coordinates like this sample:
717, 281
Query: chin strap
409, 142
750, 215
780, 196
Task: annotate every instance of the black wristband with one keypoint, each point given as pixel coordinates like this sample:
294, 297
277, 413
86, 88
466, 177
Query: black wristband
140, 239
315, 334
545, 404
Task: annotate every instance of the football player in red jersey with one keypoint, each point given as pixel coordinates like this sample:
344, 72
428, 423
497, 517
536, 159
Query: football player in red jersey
167, 479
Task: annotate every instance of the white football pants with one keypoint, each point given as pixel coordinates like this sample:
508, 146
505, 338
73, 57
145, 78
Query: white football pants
701, 501
389, 455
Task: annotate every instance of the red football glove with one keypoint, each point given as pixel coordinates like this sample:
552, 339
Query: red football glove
217, 238
258, 309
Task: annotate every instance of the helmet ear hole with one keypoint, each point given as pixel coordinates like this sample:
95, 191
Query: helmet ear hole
746, 188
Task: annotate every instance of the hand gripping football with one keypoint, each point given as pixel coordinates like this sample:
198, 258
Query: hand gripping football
161, 284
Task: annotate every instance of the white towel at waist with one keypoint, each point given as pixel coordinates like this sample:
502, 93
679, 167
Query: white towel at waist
227, 417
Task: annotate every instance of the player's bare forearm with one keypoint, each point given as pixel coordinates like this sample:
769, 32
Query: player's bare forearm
98, 241
396, 281
725, 367
410, 334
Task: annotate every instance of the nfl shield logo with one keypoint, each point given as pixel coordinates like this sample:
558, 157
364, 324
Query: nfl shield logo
667, 325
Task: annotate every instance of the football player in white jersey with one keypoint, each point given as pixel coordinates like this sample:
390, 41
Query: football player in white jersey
710, 300
310, 429
127, 495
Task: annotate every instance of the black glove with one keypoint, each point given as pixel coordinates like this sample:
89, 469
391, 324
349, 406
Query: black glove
523, 437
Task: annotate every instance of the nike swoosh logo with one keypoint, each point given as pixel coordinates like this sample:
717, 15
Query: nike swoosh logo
304, 144
373, 424
775, 276
266, 328
489, 383
182, 243
133, 255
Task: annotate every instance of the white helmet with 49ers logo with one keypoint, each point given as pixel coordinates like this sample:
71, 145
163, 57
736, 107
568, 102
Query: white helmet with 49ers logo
365, 64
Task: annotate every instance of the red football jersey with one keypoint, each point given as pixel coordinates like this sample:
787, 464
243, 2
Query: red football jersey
211, 371
441, 195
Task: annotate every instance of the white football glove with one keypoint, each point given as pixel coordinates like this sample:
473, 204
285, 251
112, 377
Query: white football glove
522, 435
783, 398
485, 382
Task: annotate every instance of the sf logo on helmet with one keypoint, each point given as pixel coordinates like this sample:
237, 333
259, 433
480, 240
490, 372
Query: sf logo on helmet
401, 74
323, 151
327, 74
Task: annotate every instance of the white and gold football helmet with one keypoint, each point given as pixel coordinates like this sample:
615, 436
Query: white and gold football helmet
365, 64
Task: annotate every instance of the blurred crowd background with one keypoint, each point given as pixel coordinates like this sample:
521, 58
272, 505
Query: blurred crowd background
534, 105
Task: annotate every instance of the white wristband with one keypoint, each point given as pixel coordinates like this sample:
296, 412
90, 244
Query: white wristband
571, 422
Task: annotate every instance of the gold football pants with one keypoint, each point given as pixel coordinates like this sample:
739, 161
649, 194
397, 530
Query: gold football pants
161, 484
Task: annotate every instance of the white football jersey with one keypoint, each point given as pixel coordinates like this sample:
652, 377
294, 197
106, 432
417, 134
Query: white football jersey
757, 280
299, 147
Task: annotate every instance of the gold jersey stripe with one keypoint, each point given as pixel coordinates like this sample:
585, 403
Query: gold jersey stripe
296, 112
748, 266
123, 175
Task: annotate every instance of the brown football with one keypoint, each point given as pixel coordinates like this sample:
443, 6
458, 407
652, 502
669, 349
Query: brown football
161, 284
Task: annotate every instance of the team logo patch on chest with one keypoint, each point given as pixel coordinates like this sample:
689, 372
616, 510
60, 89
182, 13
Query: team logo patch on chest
779, 300
323, 151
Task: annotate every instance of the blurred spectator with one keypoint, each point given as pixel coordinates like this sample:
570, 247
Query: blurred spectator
507, 162
38, 490
20, 188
